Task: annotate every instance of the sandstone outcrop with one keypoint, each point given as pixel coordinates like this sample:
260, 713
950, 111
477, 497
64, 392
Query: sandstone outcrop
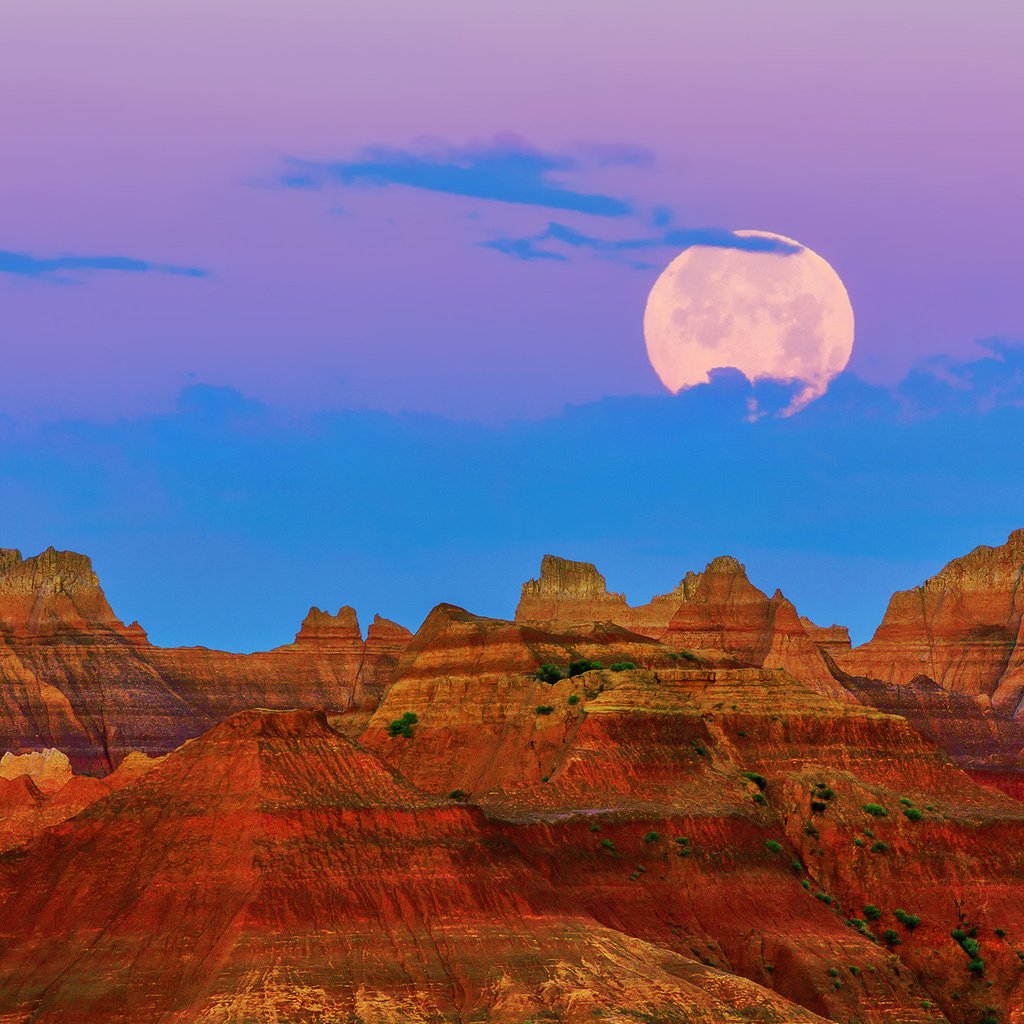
961, 628
717, 612
74, 677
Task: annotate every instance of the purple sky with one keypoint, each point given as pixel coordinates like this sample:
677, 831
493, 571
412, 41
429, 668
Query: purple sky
883, 136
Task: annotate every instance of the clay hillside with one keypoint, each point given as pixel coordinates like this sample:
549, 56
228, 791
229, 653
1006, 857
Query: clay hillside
702, 809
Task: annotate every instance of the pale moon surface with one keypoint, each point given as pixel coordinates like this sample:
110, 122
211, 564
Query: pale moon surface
770, 315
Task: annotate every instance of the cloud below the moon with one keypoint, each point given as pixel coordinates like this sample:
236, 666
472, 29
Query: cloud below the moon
867, 490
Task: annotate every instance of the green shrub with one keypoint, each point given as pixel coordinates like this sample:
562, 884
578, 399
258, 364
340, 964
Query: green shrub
906, 801
868, 833
742, 732
621, 666
858, 841
574, 698
403, 726
817, 806
833, 973
607, 844
909, 921
759, 780
759, 798
875, 810
971, 947
581, 665
544, 709
548, 673
823, 791
805, 884
700, 749
681, 840
989, 1016
652, 837
796, 865
1001, 933
458, 794
773, 846
871, 912
854, 970
824, 897
595, 828
913, 814
879, 847
890, 938
976, 966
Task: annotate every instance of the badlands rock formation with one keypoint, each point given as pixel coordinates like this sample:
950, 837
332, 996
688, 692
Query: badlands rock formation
74, 677
700, 809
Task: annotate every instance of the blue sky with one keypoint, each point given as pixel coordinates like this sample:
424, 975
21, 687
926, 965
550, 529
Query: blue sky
222, 521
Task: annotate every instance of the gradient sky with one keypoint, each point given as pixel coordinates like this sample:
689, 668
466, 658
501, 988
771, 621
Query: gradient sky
458, 209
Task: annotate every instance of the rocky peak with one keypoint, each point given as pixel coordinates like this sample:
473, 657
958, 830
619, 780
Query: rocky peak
568, 591
561, 577
48, 769
52, 592
52, 571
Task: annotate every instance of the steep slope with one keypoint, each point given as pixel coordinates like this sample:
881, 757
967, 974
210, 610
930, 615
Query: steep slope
273, 870
74, 677
599, 787
717, 612
961, 628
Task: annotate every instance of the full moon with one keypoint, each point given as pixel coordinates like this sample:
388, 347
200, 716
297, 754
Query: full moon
779, 312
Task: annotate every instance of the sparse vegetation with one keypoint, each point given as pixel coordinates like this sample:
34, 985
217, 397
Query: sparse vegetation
909, 921
817, 806
810, 830
806, 884
548, 673
875, 810
871, 912
913, 814
581, 665
544, 709
622, 666
824, 897
879, 847
700, 749
458, 794
652, 837
773, 846
607, 844
683, 845
574, 698
891, 938
759, 780
858, 841
403, 726
759, 798
595, 828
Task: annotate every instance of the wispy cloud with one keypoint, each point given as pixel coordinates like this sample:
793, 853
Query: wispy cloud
23, 264
537, 246
505, 170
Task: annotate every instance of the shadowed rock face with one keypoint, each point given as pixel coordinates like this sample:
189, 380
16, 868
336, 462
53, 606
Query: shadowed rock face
74, 677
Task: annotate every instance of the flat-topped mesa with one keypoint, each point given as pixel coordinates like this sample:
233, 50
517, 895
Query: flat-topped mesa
962, 628
55, 592
568, 591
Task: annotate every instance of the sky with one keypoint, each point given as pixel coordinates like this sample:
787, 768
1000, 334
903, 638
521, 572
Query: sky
321, 303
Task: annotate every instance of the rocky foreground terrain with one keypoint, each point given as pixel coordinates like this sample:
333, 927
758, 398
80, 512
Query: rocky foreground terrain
701, 809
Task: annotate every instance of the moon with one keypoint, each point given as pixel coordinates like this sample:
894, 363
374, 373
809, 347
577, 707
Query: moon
778, 312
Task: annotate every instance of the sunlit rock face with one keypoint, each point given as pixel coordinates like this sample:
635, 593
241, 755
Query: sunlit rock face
74, 677
961, 628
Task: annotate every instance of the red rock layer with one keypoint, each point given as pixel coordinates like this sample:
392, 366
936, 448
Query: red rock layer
74, 677
273, 870
961, 628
